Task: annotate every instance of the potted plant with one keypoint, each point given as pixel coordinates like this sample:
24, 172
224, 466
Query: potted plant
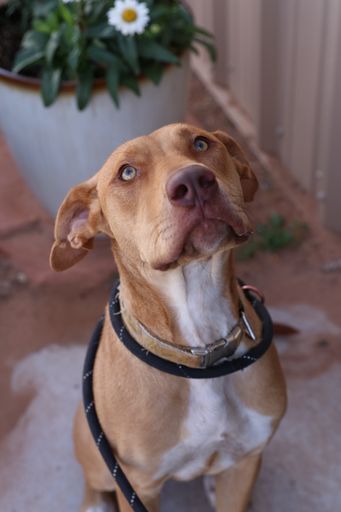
78, 77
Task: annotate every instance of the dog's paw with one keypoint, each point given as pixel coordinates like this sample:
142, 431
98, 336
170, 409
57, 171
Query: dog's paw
209, 488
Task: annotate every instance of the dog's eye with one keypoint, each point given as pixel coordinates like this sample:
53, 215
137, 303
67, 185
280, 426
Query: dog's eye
200, 144
128, 173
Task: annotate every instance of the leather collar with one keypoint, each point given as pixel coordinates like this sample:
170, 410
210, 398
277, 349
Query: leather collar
211, 361
193, 357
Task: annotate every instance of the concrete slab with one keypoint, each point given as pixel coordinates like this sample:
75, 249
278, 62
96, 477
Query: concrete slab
301, 467
37, 454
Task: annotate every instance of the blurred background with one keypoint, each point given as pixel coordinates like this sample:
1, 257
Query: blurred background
275, 88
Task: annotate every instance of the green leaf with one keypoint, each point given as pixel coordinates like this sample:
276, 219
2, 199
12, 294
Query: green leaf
209, 47
66, 13
185, 14
84, 87
154, 72
53, 21
73, 58
25, 58
203, 32
52, 46
97, 11
128, 49
102, 56
48, 25
132, 83
34, 40
41, 26
70, 35
277, 220
50, 83
159, 11
42, 9
194, 49
152, 50
102, 31
112, 79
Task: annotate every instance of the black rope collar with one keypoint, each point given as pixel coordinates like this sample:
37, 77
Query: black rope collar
221, 369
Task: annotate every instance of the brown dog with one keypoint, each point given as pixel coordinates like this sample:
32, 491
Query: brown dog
173, 204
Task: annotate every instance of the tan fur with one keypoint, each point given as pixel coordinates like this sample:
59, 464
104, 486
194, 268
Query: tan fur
142, 410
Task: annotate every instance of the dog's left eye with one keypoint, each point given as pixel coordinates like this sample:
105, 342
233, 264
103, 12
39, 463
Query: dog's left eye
128, 173
200, 144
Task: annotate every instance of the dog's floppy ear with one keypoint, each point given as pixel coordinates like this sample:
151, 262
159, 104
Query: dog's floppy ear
78, 220
248, 179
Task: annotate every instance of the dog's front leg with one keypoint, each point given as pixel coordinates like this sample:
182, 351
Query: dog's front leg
150, 501
234, 486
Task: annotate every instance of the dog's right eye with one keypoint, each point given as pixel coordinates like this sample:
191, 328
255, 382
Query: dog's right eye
128, 173
200, 144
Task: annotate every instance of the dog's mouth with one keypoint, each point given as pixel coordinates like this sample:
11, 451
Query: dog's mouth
203, 238
209, 234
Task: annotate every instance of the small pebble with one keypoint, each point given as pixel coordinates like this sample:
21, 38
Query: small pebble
21, 278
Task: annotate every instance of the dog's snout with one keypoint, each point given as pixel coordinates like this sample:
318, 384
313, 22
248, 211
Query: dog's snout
191, 185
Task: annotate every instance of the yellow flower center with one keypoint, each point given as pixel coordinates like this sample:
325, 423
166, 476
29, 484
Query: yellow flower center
129, 15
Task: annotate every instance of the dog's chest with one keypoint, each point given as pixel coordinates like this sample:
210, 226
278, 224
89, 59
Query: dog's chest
217, 430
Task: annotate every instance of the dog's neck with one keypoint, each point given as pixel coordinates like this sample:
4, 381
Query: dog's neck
194, 304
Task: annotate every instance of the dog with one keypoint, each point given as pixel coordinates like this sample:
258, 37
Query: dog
173, 204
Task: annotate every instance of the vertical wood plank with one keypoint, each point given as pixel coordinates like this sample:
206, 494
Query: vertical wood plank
203, 12
269, 79
244, 52
221, 68
203, 15
288, 32
304, 94
329, 136
232, 42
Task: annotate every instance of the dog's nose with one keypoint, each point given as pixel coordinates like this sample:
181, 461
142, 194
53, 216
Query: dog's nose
191, 185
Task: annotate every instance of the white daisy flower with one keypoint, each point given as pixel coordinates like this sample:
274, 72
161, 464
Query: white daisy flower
129, 16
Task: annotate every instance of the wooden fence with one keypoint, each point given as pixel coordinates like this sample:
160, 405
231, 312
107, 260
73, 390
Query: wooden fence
281, 60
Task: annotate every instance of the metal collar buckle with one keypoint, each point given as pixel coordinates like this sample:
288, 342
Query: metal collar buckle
247, 326
220, 349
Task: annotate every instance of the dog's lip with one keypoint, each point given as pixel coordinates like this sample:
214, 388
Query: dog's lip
232, 234
241, 237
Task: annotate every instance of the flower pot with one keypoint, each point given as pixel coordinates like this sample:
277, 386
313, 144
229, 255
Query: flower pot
59, 146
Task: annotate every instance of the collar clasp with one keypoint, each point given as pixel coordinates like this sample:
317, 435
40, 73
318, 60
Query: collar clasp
221, 349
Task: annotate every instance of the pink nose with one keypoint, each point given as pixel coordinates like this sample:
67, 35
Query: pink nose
191, 185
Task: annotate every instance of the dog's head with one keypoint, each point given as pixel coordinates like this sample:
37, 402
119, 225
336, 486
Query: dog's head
164, 199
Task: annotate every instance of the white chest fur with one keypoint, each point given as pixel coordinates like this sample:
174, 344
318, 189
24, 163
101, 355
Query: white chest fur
218, 430
195, 295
